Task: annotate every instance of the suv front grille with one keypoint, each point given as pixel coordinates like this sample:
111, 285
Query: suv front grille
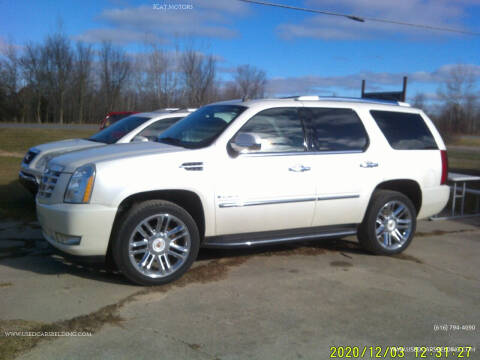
30, 156
47, 185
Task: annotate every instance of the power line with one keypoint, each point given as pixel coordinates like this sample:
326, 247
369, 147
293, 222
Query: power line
362, 18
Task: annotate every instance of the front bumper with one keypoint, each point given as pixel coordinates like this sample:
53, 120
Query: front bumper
29, 181
88, 226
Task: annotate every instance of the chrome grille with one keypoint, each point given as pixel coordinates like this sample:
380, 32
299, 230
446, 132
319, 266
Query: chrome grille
49, 180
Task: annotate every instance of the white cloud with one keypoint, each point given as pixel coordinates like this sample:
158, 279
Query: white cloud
3, 44
203, 18
329, 84
441, 13
6, 43
118, 36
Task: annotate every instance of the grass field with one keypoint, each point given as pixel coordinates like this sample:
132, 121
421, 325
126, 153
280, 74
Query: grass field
473, 141
20, 140
15, 201
468, 161
464, 153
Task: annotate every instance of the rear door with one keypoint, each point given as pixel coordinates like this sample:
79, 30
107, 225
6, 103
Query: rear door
343, 167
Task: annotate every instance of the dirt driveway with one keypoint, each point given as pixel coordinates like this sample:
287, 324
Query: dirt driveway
271, 303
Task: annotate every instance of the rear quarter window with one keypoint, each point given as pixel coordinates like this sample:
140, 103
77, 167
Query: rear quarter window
404, 131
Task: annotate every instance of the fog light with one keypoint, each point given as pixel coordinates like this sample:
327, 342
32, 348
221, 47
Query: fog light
67, 239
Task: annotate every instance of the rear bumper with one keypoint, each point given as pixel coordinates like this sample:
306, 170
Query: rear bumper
434, 200
77, 229
29, 181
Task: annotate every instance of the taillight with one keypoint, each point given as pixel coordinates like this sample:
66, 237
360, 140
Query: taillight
444, 156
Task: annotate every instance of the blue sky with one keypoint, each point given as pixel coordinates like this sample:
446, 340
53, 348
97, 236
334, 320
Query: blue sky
300, 52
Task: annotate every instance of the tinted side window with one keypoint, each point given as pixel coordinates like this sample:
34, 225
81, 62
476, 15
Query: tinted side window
277, 129
153, 130
404, 131
336, 130
114, 132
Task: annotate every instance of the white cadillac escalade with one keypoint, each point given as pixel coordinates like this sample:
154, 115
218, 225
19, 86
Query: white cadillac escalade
247, 173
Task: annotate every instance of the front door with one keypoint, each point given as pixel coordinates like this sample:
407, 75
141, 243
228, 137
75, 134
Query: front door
270, 187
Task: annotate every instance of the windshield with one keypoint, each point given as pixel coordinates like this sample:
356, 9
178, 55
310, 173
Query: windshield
202, 127
113, 133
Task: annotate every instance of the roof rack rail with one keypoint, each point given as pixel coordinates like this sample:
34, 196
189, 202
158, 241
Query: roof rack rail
166, 110
185, 110
386, 95
353, 99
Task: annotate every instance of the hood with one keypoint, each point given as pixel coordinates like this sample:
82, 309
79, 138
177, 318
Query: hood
73, 160
67, 145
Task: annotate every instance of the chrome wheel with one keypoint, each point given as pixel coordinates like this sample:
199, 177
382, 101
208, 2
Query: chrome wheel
393, 225
159, 245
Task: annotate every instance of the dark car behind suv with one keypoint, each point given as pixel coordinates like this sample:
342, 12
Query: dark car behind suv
113, 117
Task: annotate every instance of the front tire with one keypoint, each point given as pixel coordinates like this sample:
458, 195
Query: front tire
156, 243
389, 224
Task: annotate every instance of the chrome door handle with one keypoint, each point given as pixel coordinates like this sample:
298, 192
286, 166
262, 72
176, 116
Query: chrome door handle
299, 168
368, 164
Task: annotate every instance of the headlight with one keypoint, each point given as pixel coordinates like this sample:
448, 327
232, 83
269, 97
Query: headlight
80, 187
30, 155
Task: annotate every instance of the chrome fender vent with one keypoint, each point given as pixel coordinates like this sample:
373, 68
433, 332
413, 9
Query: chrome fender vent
192, 166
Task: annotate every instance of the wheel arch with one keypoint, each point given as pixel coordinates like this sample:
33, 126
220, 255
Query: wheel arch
188, 200
408, 187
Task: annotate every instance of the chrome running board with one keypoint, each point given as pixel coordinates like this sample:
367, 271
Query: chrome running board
279, 237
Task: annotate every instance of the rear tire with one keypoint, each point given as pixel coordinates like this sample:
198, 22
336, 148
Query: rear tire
389, 224
156, 243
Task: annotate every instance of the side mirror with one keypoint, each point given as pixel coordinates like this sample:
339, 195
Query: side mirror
245, 142
140, 138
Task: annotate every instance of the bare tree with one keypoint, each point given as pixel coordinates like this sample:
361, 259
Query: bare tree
198, 72
60, 59
419, 101
460, 100
4, 106
231, 91
55, 81
459, 84
9, 81
139, 83
82, 75
250, 81
114, 73
34, 68
159, 76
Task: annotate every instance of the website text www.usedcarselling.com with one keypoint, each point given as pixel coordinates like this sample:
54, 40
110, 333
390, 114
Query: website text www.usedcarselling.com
46, 333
